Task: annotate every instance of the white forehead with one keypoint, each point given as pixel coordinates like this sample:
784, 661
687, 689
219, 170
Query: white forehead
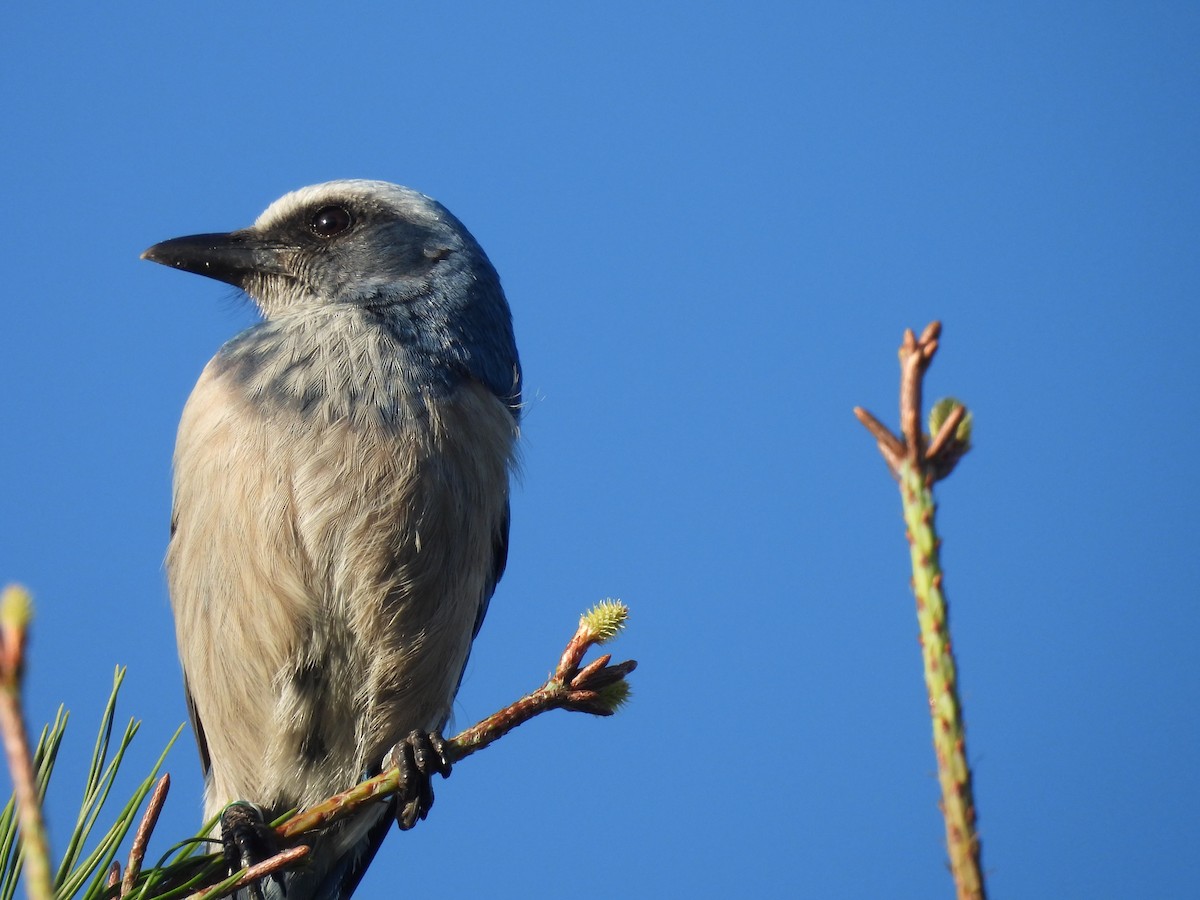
379, 194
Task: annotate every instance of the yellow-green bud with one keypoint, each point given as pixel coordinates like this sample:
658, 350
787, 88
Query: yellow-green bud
16, 607
941, 411
615, 695
605, 619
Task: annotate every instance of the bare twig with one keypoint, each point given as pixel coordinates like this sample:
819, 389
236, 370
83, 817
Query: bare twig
936, 457
915, 357
890, 446
137, 853
277, 863
16, 609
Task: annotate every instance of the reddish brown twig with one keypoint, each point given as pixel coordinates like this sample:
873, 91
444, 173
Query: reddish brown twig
277, 863
937, 456
137, 852
890, 446
599, 689
915, 357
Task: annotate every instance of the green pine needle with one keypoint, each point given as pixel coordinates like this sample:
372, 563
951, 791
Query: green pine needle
82, 874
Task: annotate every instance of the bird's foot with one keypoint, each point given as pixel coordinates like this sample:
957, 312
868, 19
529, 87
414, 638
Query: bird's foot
247, 839
419, 757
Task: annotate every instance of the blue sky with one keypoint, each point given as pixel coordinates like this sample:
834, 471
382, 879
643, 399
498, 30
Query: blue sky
713, 222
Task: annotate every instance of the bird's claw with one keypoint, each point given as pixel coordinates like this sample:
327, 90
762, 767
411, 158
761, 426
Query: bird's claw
246, 839
419, 757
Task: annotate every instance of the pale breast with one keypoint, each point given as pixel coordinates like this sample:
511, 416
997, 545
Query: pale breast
326, 579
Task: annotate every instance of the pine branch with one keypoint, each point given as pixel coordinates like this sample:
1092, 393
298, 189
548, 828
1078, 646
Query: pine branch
597, 688
917, 461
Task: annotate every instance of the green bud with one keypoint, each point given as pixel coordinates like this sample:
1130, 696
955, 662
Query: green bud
16, 607
941, 411
605, 619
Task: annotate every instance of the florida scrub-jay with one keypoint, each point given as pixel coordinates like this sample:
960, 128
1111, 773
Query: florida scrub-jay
341, 504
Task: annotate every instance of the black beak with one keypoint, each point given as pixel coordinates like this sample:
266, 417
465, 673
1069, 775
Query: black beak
226, 257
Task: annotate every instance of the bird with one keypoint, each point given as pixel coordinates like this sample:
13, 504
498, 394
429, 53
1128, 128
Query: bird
340, 510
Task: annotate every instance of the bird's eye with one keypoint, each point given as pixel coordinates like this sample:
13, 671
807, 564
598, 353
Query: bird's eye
329, 221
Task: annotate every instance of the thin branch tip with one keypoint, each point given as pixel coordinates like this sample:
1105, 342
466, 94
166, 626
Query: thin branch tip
569, 687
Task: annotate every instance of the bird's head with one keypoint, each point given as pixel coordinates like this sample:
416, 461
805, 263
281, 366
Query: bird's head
366, 242
380, 247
